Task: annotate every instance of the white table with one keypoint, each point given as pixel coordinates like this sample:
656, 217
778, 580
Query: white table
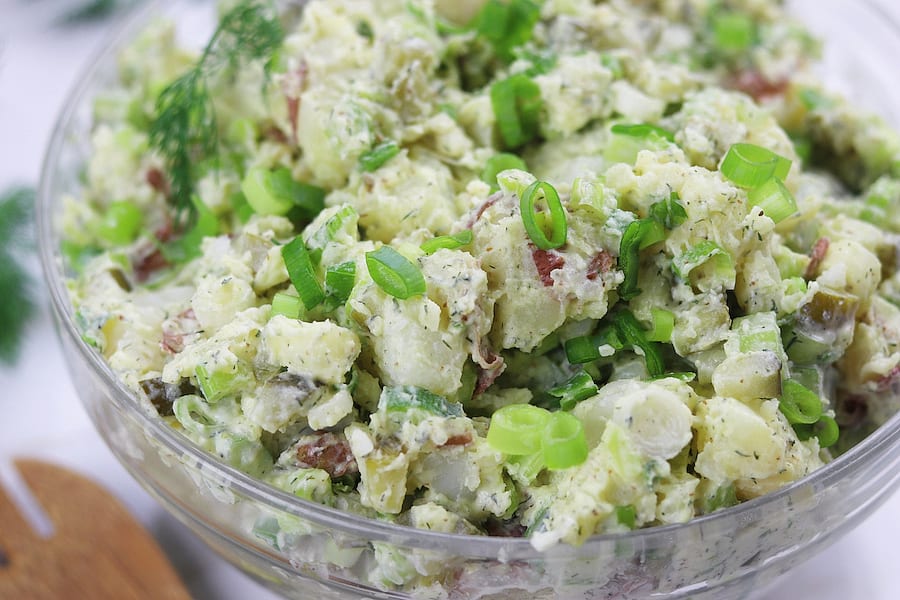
42, 417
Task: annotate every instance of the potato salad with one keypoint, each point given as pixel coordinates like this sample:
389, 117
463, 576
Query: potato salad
530, 268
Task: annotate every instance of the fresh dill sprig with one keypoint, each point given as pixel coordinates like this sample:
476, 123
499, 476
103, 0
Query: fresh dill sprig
17, 305
95, 10
184, 130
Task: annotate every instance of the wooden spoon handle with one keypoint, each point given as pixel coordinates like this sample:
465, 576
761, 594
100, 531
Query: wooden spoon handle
97, 550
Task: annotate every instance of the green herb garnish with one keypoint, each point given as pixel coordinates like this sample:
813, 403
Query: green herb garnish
184, 130
18, 305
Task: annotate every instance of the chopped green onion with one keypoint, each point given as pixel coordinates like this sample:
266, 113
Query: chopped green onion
558, 226
669, 212
799, 404
497, 164
302, 272
563, 441
121, 223
277, 193
409, 397
827, 430
626, 515
663, 325
638, 235
449, 242
587, 348
517, 429
517, 105
723, 497
216, 385
507, 25
577, 388
702, 253
631, 333
377, 156
794, 285
287, 304
733, 31
394, 273
774, 199
339, 280
750, 166
642, 131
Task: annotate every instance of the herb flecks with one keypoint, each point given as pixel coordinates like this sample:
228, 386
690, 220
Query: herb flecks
17, 306
184, 130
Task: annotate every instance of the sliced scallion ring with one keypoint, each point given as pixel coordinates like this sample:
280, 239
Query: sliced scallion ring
749, 166
774, 199
563, 441
302, 272
558, 227
394, 273
517, 429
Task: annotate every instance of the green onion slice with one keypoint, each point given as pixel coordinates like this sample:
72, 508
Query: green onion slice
449, 242
587, 348
774, 199
638, 235
669, 212
507, 25
626, 515
663, 325
339, 280
517, 429
642, 131
733, 31
799, 404
377, 156
121, 223
577, 388
288, 305
701, 253
517, 105
749, 166
827, 430
632, 333
394, 273
302, 272
277, 193
215, 385
530, 218
563, 441
497, 164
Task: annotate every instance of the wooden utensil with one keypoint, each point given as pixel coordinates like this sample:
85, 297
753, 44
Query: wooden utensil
97, 550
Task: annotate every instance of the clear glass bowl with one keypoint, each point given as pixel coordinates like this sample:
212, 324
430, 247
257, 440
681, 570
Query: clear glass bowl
324, 553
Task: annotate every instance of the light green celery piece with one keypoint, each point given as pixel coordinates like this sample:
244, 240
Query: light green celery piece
219, 383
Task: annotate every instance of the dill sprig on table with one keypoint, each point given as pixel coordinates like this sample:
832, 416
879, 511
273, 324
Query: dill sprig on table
184, 129
17, 305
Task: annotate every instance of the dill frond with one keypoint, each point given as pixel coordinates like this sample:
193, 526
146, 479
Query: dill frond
18, 305
184, 130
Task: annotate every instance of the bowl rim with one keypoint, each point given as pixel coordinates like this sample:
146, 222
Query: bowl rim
885, 438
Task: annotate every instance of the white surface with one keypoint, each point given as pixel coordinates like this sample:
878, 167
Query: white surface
42, 417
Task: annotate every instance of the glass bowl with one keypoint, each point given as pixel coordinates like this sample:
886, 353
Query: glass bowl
316, 551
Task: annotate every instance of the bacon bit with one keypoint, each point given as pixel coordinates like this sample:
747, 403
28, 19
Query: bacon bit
490, 366
816, 255
602, 263
157, 180
489, 202
546, 262
887, 381
148, 262
292, 86
754, 84
329, 452
175, 330
461, 439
